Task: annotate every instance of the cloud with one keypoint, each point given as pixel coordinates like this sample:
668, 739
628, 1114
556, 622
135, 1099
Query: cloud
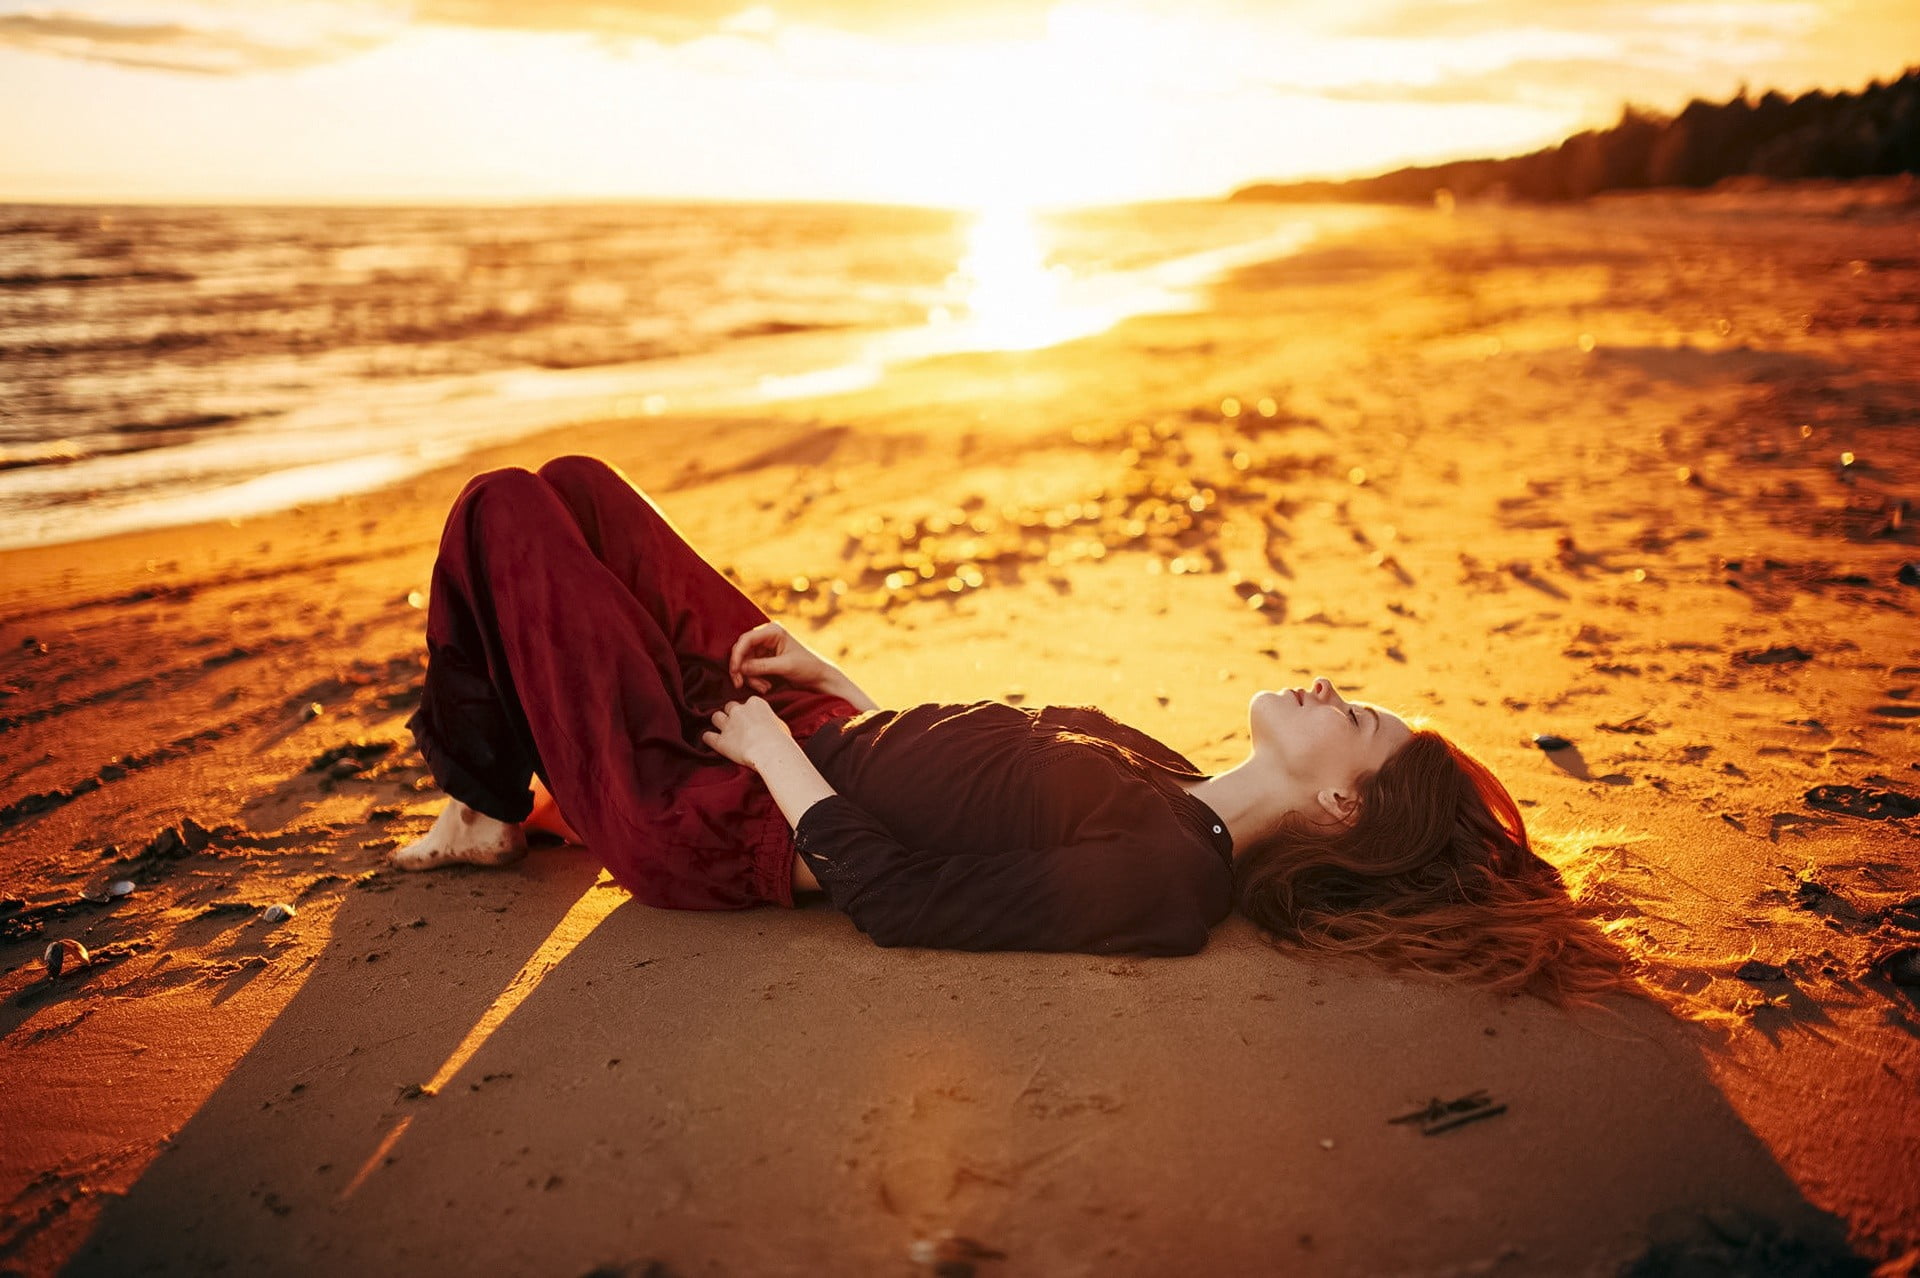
1518, 83
225, 37
1585, 56
1419, 19
679, 21
171, 46
1579, 57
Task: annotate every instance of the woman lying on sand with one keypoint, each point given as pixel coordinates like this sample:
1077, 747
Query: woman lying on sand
712, 761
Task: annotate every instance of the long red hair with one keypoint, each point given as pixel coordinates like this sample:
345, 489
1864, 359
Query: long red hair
1436, 874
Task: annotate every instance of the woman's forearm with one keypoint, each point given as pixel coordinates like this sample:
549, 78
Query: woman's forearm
796, 784
840, 686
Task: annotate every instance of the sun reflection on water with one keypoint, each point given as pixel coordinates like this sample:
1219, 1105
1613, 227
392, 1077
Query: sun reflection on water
1006, 295
1015, 300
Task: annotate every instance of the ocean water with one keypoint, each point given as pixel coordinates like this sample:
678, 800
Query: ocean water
161, 365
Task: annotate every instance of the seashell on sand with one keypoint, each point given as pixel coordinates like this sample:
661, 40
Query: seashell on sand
65, 955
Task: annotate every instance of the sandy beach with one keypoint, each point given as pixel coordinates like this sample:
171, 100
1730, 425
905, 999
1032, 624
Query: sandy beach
1640, 473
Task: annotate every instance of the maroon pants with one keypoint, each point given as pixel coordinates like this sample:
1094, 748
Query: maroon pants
572, 632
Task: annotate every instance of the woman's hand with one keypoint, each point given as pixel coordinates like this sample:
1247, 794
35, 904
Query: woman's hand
767, 652
745, 730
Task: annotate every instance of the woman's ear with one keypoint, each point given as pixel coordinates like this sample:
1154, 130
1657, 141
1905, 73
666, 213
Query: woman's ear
1341, 805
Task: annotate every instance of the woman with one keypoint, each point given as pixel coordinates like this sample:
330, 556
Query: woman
712, 761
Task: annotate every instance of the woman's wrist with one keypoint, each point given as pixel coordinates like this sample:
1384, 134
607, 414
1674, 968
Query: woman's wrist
790, 776
770, 750
837, 684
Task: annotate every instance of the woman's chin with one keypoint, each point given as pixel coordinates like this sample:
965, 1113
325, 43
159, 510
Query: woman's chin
1267, 712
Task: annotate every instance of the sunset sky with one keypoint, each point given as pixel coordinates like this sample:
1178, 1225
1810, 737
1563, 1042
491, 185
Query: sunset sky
921, 101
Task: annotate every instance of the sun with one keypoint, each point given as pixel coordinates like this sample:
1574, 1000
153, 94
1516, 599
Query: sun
1014, 297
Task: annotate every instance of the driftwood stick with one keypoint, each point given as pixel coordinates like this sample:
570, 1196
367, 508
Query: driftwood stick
1437, 1108
1446, 1124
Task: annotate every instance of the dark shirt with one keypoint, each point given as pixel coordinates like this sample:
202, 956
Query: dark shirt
989, 826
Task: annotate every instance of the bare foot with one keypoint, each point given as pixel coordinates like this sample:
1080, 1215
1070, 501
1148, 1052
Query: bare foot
546, 814
460, 834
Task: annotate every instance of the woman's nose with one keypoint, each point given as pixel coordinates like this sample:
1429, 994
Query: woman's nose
1323, 687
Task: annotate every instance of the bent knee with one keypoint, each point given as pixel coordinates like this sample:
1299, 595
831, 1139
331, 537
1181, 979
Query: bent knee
583, 470
501, 479
508, 492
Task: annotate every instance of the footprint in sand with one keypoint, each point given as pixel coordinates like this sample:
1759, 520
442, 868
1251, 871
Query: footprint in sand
1858, 801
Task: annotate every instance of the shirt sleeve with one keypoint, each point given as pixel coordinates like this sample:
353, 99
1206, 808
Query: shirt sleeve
1115, 889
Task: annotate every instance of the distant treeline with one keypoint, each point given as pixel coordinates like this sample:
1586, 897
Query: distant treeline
1875, 132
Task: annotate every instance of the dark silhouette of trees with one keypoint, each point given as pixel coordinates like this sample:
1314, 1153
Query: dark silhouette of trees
1872, 133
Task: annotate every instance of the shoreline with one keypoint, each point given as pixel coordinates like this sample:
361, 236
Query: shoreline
394, 430
1460, 507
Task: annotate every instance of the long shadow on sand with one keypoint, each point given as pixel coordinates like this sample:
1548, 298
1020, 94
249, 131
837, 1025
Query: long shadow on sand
767, 1092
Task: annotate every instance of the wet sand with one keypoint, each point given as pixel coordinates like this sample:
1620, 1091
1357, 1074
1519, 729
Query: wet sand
1582, 472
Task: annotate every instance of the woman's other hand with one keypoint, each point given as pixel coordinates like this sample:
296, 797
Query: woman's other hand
752, 735
767, 652
745, 731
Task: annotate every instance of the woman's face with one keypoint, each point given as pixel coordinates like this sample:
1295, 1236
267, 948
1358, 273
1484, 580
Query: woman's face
1320, 739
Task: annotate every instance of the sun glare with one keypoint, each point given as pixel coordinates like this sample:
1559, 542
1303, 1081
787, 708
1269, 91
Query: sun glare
1012, 294
1015, 299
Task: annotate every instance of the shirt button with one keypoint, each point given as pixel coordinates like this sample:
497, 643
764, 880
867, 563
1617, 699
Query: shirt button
1216, 829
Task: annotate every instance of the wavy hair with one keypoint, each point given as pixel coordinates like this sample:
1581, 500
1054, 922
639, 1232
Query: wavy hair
1437, 874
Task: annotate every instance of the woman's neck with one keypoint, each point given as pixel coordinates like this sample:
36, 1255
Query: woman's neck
1244, 797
